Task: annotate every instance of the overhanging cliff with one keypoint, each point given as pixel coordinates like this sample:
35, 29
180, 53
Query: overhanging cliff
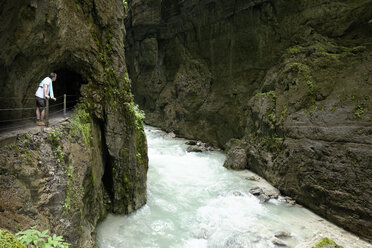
84, 42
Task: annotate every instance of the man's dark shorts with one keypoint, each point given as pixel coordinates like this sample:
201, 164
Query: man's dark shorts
40, 102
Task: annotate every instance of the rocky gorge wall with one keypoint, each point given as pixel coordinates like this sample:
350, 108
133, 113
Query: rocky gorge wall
284, 86
69, 186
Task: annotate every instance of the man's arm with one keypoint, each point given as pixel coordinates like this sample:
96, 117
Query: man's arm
51, 93
45, 86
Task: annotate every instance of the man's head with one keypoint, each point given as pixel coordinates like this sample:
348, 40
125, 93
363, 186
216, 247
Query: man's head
53, 76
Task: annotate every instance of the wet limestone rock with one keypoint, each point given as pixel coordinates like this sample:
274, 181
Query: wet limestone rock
290, 79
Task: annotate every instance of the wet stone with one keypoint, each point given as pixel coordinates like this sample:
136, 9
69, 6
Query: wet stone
256, 191
282, 235
274, 196
170, 135
263, 198
194, 149
237, 193
289, 200
191, 142
278, 242
253, 178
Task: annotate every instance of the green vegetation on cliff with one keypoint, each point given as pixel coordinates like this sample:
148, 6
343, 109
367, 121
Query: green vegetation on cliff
8, 240
81, 123
326, 242
36, 239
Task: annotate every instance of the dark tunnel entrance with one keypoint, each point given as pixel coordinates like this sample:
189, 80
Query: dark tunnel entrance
68, 82
17, 111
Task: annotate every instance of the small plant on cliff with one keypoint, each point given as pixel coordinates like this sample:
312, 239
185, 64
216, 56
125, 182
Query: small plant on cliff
81, 123
54, 138
59, 154
36, 239
138, 113
361, 106
125, 8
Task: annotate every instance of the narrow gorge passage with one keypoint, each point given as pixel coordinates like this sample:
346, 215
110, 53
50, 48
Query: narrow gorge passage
193, 201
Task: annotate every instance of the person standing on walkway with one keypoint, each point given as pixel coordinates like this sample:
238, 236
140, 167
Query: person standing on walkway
44, 91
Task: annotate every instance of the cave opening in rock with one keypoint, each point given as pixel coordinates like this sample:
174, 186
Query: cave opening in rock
68, 82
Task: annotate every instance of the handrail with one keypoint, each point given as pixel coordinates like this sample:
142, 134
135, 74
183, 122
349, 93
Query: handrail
26, 124
31, 98
49, 106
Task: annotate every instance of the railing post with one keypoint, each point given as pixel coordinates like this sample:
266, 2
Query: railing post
64, 105
47, 113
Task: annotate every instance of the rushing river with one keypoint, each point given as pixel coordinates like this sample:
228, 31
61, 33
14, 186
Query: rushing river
194, 202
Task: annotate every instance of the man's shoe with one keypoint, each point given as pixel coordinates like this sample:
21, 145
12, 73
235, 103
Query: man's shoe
40, 123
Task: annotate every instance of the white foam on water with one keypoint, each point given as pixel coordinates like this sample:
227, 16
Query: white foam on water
194, 202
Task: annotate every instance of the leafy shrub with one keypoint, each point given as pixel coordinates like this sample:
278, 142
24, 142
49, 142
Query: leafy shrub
34, 239
54, 138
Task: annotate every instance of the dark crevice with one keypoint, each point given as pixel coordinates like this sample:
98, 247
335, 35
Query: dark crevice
107, 178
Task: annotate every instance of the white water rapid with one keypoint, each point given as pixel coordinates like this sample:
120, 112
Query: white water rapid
194, 202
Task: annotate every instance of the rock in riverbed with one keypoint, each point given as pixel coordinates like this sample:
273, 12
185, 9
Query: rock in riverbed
282, 235
256, 191
198, 146
191, 142
262, 195
194, 149
278, 242
253, 178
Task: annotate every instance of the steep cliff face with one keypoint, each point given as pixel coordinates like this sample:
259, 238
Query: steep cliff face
82, 41
61, 179
51, 180
288, 83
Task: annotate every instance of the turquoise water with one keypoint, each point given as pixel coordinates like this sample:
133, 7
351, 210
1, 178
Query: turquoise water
193, 201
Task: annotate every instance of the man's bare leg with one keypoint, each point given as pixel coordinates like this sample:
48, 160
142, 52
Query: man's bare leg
42, 115
37, 114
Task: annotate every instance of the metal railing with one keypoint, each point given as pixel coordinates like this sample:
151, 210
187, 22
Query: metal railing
51, 110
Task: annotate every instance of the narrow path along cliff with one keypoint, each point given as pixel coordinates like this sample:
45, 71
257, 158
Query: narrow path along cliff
9, 133
193, 201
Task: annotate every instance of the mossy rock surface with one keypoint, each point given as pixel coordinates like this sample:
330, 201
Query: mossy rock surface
326, 242
8, 240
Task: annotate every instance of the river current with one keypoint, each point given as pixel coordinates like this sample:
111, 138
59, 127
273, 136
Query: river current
194, 202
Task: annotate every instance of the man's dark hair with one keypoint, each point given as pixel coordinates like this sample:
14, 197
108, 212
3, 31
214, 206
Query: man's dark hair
52, 75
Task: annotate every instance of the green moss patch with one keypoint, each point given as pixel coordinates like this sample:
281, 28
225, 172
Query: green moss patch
81, 124
327, 242
8, 240
275, 116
